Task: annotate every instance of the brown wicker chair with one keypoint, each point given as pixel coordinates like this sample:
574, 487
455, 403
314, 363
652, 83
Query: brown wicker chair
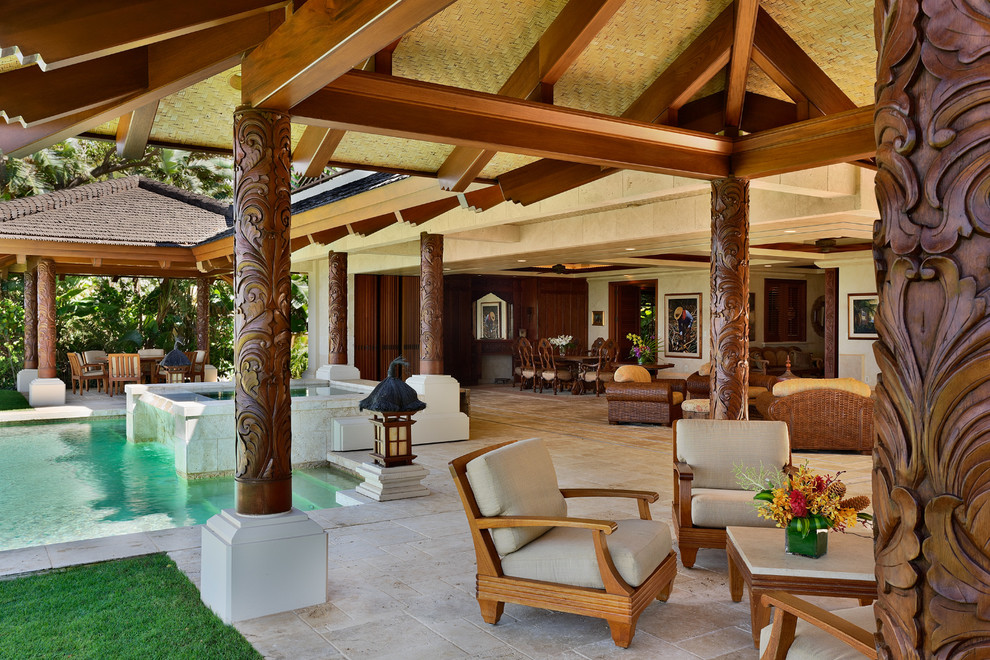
825, 419
548, 372
656, 402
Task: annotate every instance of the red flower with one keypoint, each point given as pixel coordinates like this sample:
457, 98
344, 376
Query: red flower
799, 505
820, 484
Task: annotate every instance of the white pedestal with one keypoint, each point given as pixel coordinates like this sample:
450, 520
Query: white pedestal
24, 378
352, 433
442, 421
46, 392
338, 372
258, 565
394, 483
209, 373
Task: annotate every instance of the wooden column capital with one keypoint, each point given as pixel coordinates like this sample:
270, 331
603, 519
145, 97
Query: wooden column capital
431, 304
730, 299
930, 247
337, 299
262, 304
31, 319
46, 318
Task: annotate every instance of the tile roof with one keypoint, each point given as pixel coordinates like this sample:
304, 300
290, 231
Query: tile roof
132, 210
338, 192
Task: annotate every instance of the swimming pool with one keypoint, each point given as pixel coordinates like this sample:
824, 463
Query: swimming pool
228, 395
81, 480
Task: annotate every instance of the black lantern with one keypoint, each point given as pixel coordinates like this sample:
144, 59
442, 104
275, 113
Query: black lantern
394, 403
175, 364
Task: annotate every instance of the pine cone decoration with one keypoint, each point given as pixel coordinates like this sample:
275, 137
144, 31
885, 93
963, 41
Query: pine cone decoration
857, 503
836, 489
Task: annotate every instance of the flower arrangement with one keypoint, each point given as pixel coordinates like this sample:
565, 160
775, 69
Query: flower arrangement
803, 502
561, 341
642, 349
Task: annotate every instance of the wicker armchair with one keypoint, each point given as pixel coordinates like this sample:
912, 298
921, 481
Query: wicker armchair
655, 402
548, 373
821, 416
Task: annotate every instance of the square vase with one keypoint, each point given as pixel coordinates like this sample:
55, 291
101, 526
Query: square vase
814, 544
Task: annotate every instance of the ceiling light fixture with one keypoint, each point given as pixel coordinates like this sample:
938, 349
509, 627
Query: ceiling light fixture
521, 261
790, 231
630, 249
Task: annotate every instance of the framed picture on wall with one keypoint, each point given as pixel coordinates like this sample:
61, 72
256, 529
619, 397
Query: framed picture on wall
598, 318
862, 315
491, 321
683, 317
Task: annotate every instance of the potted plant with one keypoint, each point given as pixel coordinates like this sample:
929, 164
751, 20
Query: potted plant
643, 349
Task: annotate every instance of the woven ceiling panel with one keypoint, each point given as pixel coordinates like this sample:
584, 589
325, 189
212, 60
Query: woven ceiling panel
364, 149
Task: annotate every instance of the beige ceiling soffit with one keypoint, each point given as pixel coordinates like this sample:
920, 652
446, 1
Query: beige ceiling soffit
61, 33
400, 107
557, 49
742, 47
497, 234
173, 65
323, 40
134, 129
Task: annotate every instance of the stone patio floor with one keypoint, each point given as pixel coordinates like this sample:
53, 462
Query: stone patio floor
401, 574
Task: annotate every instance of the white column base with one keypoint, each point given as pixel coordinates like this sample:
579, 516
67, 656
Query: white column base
258, 565
338, 372
24, 378
442, 421
352, 433
46, 392
209, 373
395, 483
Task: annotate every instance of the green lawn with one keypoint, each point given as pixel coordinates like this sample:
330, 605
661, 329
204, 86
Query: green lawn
131, 608
12, 400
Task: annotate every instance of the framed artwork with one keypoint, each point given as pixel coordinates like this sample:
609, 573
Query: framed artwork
752, 316
862, 314
598, 318
491, 321
683, 314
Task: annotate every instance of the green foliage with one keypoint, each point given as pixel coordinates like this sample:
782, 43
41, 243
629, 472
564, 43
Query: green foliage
132, 608
299, 357
11, 331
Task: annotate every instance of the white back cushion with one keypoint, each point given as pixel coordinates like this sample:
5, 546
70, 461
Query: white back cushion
713, 447
516, 480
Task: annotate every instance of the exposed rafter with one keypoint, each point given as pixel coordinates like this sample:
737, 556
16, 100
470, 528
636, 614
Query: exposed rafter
315, 149
566, 38
134, 130
323, 40
742, 47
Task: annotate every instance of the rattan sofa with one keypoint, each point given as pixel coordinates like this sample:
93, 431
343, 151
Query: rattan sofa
830, 414
655, 402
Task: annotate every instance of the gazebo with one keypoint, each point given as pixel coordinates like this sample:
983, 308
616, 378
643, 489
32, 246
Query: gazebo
520, 102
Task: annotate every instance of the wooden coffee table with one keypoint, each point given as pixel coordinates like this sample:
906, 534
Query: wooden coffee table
757, 557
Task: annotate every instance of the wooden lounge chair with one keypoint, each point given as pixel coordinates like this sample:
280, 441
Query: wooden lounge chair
801, 630
197, 366
123, 368
529, 552
85, 373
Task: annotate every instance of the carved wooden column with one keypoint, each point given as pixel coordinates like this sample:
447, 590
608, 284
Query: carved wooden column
46, 318
31, 319
730, 299
338, 307
931, 463
831, 323
431, 304
203, 316
262, 296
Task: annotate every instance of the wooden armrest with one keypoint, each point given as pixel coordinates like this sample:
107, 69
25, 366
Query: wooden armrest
94, 365
684, 471
683, 476
790, 608
647, 495
498, 522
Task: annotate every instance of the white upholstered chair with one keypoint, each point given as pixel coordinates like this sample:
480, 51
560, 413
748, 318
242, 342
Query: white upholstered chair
707, 497
802, 631
529, 552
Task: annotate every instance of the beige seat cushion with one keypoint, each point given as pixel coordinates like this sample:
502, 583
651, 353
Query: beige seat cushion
605, 376
795, 385
755, 391
529, 373
813, 643
721, 508
676, 397
516, 480
562, 374
713, 447
632, 373
566, 555
696, 405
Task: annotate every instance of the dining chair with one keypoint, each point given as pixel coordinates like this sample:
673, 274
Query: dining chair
123, 368
549, 372
84, 373
527, 364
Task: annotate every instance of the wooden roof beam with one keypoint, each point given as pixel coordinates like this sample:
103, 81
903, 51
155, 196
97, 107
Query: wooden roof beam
172, 65
556, 50
742, 47
793, 70
760, 113
60, 33
398, 107
134, 130
838, 138
322, 41
315, 149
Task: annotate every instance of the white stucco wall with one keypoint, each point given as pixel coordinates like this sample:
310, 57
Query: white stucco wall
856, 358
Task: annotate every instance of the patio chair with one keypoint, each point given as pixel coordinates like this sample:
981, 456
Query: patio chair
123, 368
707, 497
802, 630
527, 364
197, 366
549, 373
94, 357
600, 372
149, 362
84, 373
530, 553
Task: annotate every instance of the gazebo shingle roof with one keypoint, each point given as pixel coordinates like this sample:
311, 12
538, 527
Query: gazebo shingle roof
129, 211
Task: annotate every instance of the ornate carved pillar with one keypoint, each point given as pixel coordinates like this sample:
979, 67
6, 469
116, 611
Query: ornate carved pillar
338, 307
431, 304
831, 323
730, 299
262, 296
203, 315
31, 319
46, 318
931, 465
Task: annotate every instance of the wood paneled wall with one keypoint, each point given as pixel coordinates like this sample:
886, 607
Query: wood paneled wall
386, 323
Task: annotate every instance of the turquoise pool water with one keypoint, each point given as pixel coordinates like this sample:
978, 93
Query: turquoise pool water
81, 480
227, 395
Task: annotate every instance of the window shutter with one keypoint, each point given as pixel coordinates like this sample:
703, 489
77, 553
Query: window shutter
785, 302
